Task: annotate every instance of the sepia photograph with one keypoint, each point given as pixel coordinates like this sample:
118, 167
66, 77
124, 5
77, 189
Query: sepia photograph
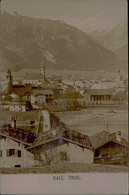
64, 97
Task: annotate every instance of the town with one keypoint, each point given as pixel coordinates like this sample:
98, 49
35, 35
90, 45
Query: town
34, 135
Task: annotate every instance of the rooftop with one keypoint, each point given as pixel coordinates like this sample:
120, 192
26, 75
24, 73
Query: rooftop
33, 76
103, 137
99, 91
43, 92
65, 135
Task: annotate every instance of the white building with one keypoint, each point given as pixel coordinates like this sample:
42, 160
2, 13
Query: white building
13, 154
71, 150
41, 96
17, 106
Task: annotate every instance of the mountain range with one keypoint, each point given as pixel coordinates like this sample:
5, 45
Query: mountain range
27, 41
107, 29
114, 39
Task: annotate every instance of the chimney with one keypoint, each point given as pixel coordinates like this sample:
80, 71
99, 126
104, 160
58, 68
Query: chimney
118, 136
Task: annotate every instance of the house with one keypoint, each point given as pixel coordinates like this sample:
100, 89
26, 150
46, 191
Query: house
16, 133
17, 106
109, 148
4, 105
68, 145
21, 90
52, 136
14, 154
58, 91
82, 90
41, 96
55, 137
98, 96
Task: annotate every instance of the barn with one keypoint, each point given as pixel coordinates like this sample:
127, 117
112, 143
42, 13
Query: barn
109, 148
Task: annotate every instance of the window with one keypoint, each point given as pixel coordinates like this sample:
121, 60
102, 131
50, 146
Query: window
10, 152
97, 153
17, 166
19, 153
63, 156
0, 153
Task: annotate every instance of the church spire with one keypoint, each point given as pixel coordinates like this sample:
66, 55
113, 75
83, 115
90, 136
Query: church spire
43, 71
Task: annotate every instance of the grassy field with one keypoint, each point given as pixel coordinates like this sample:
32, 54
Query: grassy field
67, 168
94, 119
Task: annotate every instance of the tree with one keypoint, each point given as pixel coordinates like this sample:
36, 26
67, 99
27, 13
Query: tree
28, 106
49, 157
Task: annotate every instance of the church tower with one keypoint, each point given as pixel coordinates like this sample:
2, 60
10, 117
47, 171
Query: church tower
43, 72
9, 82
118, 78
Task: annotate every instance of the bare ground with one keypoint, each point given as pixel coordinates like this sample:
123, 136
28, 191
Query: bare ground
92, 120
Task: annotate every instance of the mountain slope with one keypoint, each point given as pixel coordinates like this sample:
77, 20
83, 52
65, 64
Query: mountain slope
114, 39
27, 41
123, 52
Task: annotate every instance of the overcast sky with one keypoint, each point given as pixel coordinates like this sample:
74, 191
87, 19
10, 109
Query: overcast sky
59, 9
88, 15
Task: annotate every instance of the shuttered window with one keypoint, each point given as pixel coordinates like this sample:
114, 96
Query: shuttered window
7, 153
19, 153
10, 152
0, 153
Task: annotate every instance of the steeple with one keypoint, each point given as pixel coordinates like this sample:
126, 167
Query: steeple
9, 82
9, 72
43, 71
118, 78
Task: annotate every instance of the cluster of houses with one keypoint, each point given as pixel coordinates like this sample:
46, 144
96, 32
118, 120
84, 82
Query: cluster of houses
19, 148
32, 89
40, 91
